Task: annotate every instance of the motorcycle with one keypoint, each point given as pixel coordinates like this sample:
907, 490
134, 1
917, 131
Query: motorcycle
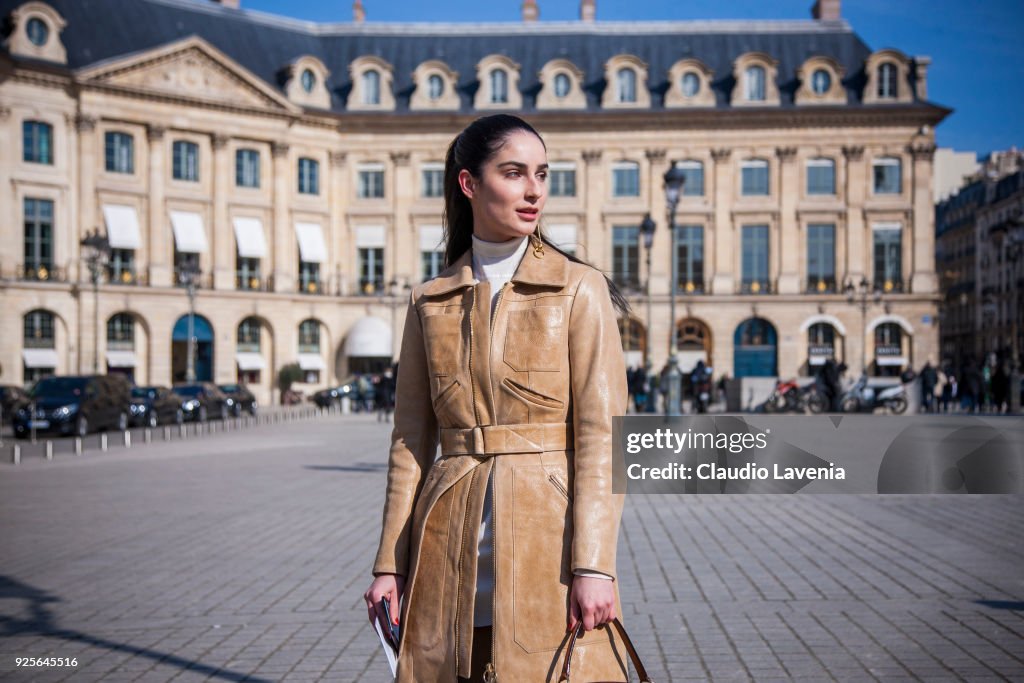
864, 398
790, 396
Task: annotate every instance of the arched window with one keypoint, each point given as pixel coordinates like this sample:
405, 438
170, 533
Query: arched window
633, 334
309, 336
249, 335
889, 359
562, 85
691, 84
308, 79
887, 80
499, 86
754, 86
755, 342
626, 85
39, 330
821, 343
371, 87
121, 332
821, 81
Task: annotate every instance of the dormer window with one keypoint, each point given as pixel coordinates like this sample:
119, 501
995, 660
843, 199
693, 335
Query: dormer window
887, 81
34, 31
38, 32
562, 85
626, 85
754, 84
499, 86
691, 84
308, 80
371, 87
435, 87
821, 81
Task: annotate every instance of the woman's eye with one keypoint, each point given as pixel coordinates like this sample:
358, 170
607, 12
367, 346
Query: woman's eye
512, 174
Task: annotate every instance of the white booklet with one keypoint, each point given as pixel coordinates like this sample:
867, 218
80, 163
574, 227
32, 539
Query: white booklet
389, 650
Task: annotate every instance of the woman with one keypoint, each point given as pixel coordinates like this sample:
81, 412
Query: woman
511, 359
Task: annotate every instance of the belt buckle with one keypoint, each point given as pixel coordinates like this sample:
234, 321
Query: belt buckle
478, 441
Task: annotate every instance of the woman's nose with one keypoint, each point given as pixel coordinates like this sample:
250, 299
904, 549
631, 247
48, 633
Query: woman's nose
534, 188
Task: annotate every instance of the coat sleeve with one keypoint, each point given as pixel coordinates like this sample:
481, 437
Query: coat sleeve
598, 376
414, 440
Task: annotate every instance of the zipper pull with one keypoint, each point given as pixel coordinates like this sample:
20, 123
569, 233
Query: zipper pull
489, 675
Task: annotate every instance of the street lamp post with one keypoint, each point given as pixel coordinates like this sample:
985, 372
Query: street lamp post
674, 180
96, 252
862, 295
1009, 237
647, 228
393, 291
188, 275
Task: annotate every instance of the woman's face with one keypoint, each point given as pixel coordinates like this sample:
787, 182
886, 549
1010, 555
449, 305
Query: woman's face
509, 195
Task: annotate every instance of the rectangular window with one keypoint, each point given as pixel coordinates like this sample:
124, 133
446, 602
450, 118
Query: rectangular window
625, 180
185, 161
38, 238
755, 259
690, 258
309, 277
821, 176
433, 263
37, 142
754, 175
888, 257
370, 181
433, 180
121, 267
119, 152
626, 256
371, 270
185, 262
821, 258
693, 178
247, 168
309, 176
562, 180
247, 275
887, 176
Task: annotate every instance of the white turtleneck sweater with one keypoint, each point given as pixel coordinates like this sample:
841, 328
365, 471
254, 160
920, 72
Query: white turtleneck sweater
496, 263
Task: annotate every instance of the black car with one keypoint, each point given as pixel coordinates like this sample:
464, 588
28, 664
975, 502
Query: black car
153, 406
202, 401
75, 405
11, 398
239, 398
325, 398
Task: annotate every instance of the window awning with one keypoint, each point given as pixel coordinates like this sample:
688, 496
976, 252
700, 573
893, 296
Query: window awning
40, 358
121, 359
311, 361
891, 360
312, 247
370, 237
250, 361
122, 226
249, 237
189, 234
370, 336
431, 237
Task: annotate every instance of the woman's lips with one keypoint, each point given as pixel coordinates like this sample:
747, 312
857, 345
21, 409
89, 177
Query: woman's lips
527, 215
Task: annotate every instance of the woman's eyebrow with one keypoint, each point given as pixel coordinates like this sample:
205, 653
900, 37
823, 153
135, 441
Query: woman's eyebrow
519, 164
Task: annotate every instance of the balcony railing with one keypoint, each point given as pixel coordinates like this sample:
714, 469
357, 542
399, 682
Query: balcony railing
254, 283
756, 287
312, 287
370, 287
202, 281
41, 273
691, 287
127, 276
821, 285
891, 286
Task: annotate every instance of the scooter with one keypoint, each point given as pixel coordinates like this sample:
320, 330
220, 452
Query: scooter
864, 398
790, 396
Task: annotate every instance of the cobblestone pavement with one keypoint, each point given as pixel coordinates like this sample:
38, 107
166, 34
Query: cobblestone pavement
243, 556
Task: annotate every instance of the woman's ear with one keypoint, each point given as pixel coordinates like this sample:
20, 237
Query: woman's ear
467, 183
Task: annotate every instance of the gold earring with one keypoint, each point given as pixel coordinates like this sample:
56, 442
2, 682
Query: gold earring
538, 246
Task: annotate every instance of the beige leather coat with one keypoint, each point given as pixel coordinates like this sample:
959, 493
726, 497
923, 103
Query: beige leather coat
529, 394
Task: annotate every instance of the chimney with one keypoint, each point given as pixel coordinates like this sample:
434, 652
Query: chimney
826, 10
233, 4
921, 77
588, 9
530, 11
358, 13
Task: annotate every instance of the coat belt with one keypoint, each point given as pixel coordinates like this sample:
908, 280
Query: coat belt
488, 440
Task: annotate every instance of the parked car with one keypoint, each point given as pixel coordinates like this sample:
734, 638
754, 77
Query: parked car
11, 398
202, 401
325, 398
75, 405
153, 406
240, 399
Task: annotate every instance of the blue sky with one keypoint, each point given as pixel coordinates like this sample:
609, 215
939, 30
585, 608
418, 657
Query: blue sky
977, 66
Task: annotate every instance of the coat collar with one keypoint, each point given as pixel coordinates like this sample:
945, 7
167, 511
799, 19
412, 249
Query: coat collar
548, 268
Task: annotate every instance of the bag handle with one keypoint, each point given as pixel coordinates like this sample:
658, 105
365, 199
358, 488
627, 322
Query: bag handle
633, 656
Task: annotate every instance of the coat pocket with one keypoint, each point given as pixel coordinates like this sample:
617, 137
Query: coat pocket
534, 339
442, 336
528, 395
444, 396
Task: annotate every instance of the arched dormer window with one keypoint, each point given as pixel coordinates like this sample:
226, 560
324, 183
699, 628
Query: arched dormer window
626, 76
560, 86
36, 33
821, 82
371, 85
756, 74
499, 84
888, 73
306, 83
435, 87
689, 85
888, 86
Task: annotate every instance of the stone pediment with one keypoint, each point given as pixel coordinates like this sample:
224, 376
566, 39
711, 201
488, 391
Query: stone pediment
191, 69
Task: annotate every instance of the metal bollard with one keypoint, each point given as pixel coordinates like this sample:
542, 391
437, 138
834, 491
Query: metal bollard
103, 441
127, 439
148, 435
16, 454
182, 430
49, 450
78, 445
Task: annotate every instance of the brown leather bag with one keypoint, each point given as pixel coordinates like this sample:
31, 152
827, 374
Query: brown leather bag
637, 664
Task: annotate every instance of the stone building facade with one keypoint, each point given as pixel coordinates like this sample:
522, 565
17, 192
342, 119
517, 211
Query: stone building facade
298, 166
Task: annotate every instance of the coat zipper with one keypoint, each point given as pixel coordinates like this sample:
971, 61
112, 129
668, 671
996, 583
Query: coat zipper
490, 674
465, 521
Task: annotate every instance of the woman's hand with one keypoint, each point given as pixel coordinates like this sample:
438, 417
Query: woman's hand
390, 585
591, 601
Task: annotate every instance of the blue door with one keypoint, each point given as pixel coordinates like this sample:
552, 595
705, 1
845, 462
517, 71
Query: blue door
203, 344
755, 345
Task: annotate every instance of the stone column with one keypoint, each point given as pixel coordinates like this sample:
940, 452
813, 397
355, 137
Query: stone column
402, 246
661, 248
723, 281
68, 244
11, 252
337, 244
285, 259
922, 267
592, 230
222, 253
160, 238
789, 229
857, 262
